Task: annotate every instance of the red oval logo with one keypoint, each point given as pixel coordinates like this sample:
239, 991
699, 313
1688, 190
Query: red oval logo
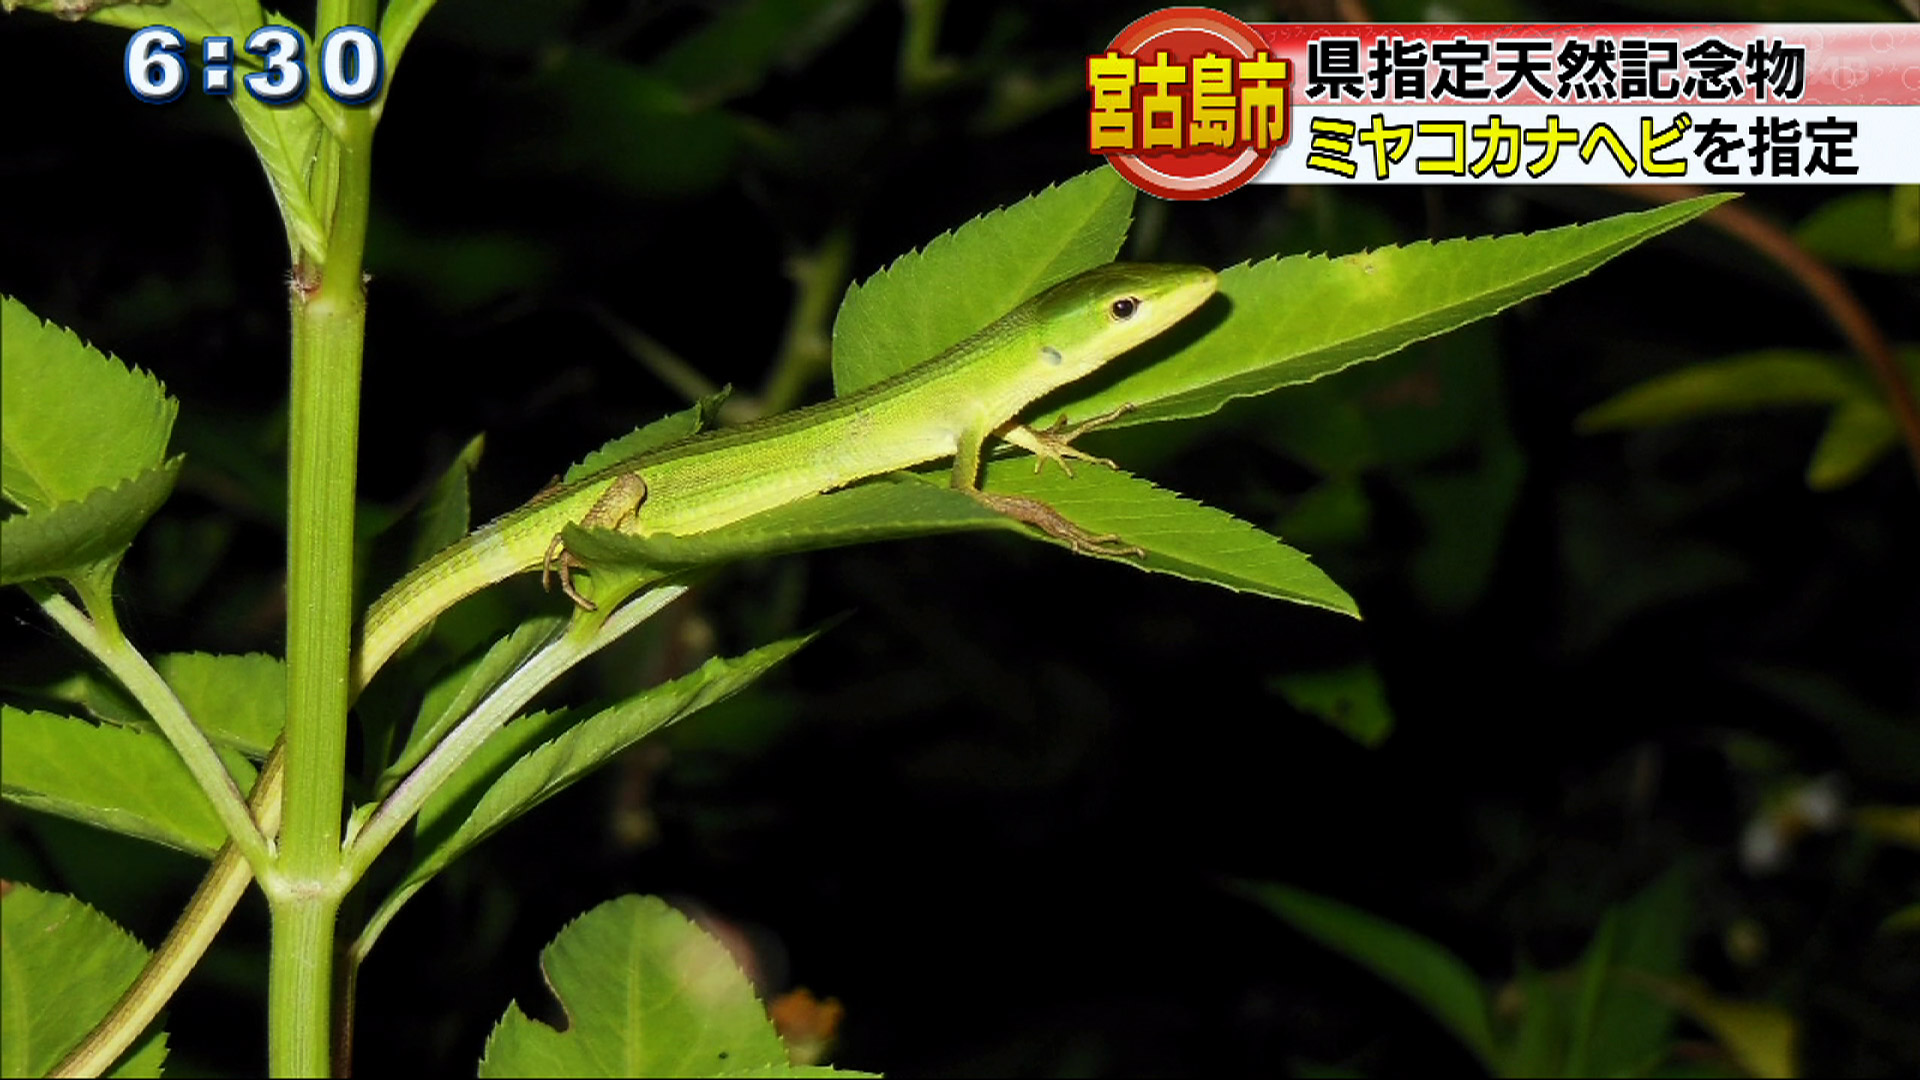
1187, 103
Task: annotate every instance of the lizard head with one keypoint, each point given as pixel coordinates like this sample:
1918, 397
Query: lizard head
1090, 319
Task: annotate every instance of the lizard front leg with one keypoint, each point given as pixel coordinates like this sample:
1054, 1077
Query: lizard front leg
615, 507
1055, 443
966, 472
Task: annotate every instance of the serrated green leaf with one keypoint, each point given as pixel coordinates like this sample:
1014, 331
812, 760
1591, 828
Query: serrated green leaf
1352, 700
452, 697
455, 801
1433, 977
646, 993
62, 966
240, 701
72, 536
669, 429
962, 280
1181, 537
287, 140
532, 758
1296, 319
72, 420
1859, 433
126, 780
1759, 380
195, 19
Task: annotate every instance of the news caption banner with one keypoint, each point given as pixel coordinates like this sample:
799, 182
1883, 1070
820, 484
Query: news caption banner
1191, 103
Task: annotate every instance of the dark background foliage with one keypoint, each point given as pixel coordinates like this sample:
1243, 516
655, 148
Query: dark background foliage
997, 811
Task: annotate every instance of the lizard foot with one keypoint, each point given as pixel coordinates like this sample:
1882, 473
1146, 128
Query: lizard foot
1055, 443
565, 561
616, 506
1048, 520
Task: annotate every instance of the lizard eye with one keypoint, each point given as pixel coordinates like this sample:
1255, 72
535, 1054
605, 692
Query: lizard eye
1122, 309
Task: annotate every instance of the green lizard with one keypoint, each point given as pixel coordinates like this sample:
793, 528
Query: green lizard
945, 407
948, 406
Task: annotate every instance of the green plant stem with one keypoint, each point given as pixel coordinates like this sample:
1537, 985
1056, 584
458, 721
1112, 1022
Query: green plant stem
205, 914
583, 636
199, 922
224, 884
300, 1035
329, 329
101, 638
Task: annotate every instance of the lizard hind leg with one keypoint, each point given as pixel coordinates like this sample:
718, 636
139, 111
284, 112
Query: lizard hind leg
1053, 523
617, 505
562, 561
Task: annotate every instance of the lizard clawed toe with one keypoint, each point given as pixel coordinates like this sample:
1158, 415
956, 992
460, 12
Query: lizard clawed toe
566, 562
1108, 544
